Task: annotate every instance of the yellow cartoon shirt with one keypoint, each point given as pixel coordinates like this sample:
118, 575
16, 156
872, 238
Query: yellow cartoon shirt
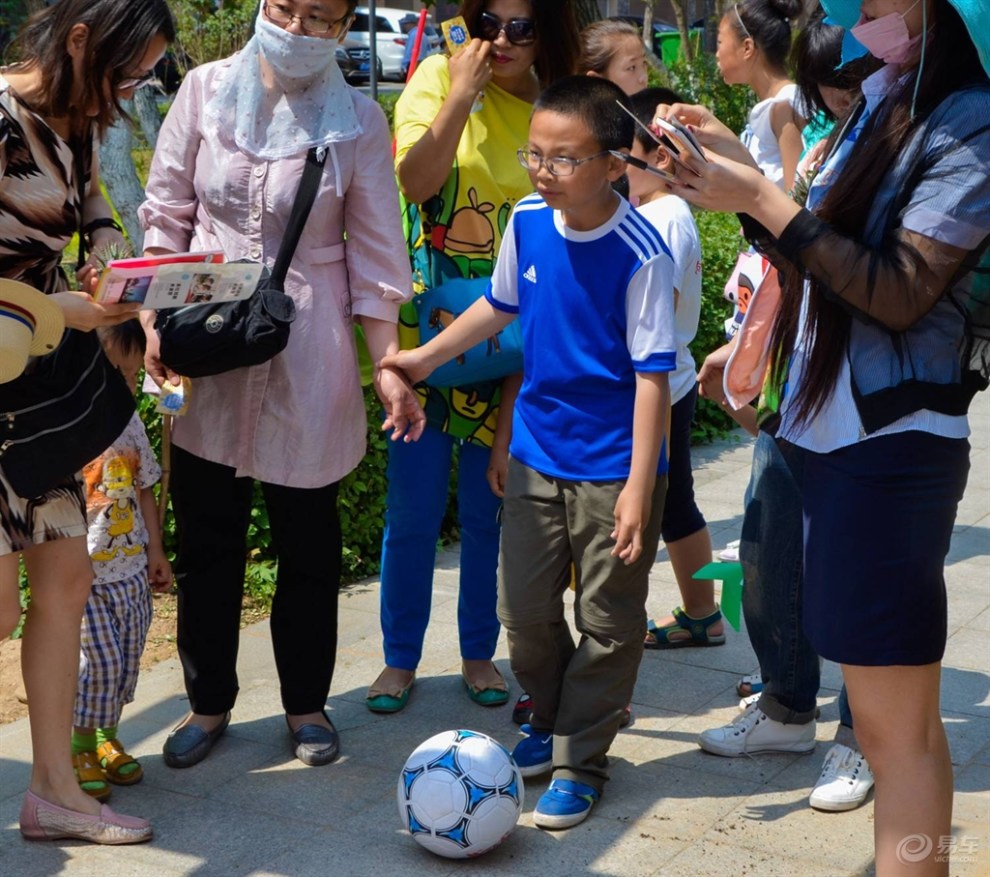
458, 232
117, 532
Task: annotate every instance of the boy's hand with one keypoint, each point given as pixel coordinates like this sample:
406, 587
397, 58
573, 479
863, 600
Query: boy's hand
159, 571
498, 470
413, 363
712, 370
632, 513
403, 413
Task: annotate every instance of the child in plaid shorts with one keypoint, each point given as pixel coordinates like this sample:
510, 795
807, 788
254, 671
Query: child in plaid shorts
125, 546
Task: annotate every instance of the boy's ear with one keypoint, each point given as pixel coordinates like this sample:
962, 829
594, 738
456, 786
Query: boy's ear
616, 166
663, 160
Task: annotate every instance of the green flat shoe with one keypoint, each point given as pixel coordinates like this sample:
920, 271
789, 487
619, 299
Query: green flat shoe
381, 700
496, 695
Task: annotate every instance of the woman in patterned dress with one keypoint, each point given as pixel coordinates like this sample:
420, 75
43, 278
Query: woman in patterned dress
79, 59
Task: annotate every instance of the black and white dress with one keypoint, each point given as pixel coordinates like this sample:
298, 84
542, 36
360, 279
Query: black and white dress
39, 213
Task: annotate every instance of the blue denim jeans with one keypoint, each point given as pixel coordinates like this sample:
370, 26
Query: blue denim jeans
771, 551
418, 475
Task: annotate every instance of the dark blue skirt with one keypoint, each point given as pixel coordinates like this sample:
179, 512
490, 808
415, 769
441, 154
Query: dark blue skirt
878, 519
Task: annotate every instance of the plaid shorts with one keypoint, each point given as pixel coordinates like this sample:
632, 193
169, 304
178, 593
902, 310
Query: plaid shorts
114, 628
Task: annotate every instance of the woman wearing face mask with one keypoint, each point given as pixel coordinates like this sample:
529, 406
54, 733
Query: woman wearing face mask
883, 328
224, 176
457, 127
78, 60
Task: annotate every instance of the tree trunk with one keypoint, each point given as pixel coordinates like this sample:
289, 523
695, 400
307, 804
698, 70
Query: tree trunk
586, 12
682, 14
713, 12
147, 113
648, 26
117, 173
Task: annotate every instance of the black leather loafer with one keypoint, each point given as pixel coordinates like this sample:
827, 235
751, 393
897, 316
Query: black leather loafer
190, 744
314, 744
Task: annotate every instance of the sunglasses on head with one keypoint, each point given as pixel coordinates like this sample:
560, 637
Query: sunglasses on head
518, 31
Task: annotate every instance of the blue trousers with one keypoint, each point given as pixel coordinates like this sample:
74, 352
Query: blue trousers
418, 475
771, 550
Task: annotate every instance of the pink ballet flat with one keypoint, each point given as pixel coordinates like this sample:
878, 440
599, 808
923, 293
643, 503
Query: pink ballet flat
41, 820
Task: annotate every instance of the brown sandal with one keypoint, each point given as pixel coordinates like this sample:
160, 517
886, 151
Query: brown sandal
90, 775
112, 758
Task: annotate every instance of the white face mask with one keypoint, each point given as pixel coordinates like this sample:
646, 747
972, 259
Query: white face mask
295, 59
887, 37
307, 105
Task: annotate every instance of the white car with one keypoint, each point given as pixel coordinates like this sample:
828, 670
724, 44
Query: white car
390, 41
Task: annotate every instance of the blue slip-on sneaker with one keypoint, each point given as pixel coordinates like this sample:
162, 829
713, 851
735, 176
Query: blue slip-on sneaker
534, 754
564, 804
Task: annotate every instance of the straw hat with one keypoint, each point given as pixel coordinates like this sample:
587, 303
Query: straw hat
31, 324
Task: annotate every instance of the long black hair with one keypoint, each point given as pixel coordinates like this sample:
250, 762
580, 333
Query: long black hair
951, 63
118, 35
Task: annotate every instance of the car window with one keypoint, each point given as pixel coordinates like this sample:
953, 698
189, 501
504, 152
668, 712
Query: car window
361, 23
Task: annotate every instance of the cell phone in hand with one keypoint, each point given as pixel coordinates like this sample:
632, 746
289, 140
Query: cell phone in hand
658, 136
685, 140
455, 33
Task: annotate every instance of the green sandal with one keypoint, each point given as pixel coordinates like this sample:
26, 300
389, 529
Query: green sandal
659, 637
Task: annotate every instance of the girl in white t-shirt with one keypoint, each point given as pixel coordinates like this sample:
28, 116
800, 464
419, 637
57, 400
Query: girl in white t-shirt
754, 39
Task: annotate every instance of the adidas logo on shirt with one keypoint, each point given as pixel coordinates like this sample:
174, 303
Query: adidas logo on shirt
530, 274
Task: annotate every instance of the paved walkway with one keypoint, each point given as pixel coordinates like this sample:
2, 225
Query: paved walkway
251, 809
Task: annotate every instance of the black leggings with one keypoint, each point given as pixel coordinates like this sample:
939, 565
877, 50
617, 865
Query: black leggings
212, 509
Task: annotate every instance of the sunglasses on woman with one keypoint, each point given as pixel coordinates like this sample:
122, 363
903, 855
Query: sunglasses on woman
518, 31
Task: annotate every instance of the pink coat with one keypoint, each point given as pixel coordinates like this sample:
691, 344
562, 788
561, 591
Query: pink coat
298, 420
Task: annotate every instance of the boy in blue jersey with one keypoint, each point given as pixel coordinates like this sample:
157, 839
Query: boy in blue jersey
591, 283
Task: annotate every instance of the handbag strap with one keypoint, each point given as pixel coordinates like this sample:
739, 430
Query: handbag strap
305, 196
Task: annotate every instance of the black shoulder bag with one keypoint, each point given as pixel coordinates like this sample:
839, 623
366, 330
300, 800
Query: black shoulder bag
66, 408
201, 340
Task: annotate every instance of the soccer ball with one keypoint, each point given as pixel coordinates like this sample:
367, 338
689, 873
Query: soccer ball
460, 794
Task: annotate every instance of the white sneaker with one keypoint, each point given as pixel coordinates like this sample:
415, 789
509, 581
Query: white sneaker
754, 732
730, 553
747, 702
845, 782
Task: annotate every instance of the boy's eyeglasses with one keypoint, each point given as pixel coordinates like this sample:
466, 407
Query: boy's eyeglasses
136, 81
558, 167
518, 31
311, 24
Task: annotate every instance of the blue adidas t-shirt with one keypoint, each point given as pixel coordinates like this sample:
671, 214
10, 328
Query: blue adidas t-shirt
595, 307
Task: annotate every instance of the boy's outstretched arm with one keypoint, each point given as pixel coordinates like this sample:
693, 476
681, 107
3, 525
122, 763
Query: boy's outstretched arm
477, 323
651, 413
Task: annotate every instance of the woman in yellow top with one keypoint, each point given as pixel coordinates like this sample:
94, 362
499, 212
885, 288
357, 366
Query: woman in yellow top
457, 126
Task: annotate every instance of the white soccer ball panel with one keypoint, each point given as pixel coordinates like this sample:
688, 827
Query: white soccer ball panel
438, 799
